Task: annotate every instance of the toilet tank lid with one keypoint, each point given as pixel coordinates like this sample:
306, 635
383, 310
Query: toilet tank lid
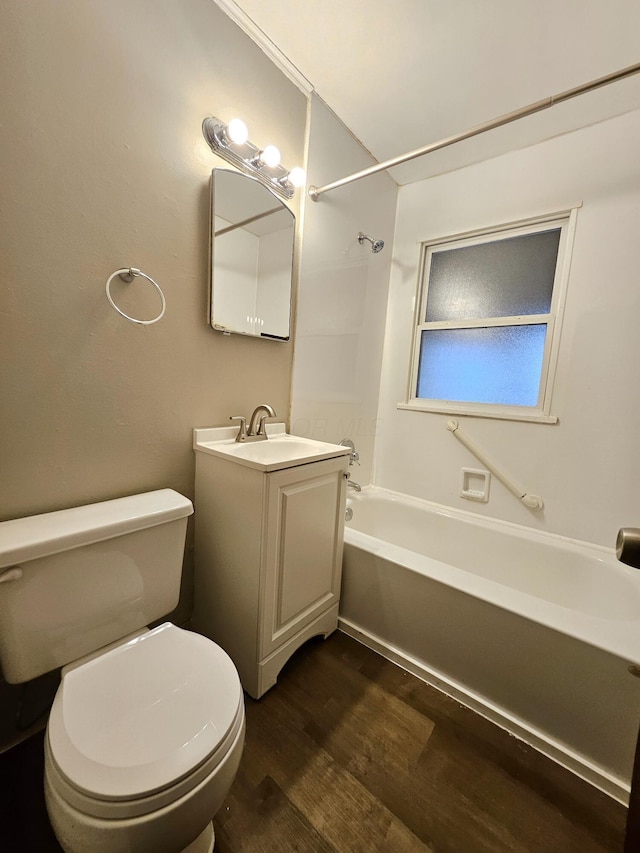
35, 536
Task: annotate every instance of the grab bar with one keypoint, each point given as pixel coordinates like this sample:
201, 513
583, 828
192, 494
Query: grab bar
531, 501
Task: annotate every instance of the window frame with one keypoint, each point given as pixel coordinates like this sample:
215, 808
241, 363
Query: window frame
541, 412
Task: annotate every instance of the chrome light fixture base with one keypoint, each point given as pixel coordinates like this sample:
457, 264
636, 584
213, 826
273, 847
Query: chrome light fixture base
246, 157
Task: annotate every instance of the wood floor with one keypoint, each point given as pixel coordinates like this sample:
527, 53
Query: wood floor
349, 753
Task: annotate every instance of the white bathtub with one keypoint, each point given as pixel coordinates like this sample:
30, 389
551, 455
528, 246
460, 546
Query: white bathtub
534, 631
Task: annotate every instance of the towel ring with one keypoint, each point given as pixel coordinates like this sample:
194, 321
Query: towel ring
128, 274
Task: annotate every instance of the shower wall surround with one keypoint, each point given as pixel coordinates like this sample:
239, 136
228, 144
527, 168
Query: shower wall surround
587, 465
342, 298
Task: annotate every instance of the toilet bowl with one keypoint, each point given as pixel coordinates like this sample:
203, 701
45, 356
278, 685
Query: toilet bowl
146, 730
142, 744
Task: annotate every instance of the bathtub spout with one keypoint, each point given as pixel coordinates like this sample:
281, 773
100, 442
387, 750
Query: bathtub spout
351, 484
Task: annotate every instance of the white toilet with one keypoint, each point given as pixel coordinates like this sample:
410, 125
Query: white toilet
147, 727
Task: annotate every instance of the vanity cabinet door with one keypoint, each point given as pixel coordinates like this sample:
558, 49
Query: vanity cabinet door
304, 525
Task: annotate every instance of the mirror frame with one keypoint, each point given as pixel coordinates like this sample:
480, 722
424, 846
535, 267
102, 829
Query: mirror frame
281, 205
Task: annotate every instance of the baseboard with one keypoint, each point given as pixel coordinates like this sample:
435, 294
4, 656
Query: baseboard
552, 749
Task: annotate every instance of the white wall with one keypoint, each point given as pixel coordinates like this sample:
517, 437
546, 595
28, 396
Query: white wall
342, 294
586, 467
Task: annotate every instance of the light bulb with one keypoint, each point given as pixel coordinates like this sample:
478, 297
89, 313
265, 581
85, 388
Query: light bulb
297, 176
237, 131
270, 156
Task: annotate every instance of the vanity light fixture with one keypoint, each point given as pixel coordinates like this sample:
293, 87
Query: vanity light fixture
297, 176
269, 157
231, 142
237, 131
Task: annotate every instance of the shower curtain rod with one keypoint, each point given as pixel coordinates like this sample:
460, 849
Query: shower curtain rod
536, 107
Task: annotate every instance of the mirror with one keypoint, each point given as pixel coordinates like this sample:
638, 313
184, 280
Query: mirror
252, 233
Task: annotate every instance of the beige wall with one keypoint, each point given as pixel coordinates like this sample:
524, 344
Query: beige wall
104, 166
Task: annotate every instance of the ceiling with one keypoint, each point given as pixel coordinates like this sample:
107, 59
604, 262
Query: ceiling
405, 73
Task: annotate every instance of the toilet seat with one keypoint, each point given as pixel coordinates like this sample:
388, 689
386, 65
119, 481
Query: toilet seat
142, 724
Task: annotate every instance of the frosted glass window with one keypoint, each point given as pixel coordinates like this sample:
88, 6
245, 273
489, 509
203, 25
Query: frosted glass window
500, 364
502, 278
486, 341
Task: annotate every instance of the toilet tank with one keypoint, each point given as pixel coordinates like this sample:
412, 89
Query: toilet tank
78, 579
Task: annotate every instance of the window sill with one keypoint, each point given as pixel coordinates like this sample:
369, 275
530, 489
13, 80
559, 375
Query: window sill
504, 413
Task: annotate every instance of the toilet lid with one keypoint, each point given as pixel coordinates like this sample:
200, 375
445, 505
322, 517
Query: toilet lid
142, 716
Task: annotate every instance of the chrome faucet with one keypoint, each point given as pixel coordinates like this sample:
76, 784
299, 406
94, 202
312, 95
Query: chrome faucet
354, 456
351, 484
259, 416
256, 430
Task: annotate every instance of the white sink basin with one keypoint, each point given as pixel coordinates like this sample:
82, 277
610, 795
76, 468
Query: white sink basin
280, 450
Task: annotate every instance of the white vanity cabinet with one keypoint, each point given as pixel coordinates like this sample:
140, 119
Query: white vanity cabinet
268, 556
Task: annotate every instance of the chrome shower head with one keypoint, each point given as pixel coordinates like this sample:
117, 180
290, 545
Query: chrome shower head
376, 245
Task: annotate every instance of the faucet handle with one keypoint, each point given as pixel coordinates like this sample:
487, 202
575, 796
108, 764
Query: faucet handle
242, 432
354, 456
261, 430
